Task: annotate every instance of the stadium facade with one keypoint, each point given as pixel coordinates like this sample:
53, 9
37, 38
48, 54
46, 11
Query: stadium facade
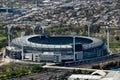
58, 48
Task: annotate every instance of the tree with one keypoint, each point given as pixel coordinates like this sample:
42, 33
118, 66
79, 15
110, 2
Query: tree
37, 68
117, 38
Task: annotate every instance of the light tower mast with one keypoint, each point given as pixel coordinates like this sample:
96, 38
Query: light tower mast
74, 34
88, 25
22, 34
108, 37
33, 28
43, 26
9, 28
36, 4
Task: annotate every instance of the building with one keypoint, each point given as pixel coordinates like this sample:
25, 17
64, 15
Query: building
58, 48
97, 75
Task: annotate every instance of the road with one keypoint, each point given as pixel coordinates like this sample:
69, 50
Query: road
48, 65
69, 68
8, 60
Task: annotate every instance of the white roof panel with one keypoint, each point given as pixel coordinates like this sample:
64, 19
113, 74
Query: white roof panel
81, 76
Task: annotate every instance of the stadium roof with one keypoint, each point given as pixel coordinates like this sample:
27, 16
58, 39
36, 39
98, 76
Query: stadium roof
25, 42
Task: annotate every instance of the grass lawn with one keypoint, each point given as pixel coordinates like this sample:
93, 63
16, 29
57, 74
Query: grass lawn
2, 38
114, 44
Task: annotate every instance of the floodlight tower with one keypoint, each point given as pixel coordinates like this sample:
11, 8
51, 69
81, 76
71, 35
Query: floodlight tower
88, 25
33, 28
36, 3
108, 37
74, 34
43, 26
22, 34
9, 28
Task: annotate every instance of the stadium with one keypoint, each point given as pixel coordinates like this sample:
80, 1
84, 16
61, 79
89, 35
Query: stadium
56, 48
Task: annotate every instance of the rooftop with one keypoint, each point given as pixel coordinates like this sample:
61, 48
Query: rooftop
82, 76
102, 75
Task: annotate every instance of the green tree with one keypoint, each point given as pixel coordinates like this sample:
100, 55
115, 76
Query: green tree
37, 68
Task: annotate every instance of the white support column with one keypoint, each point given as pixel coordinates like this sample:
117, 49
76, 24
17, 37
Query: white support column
9, 28
88, 30
74, 34
22, 34
108, 35
36, 4
43, 26
43, 29
33, 28
88, 25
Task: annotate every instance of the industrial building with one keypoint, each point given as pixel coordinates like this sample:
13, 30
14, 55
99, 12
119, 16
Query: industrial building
57, 48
